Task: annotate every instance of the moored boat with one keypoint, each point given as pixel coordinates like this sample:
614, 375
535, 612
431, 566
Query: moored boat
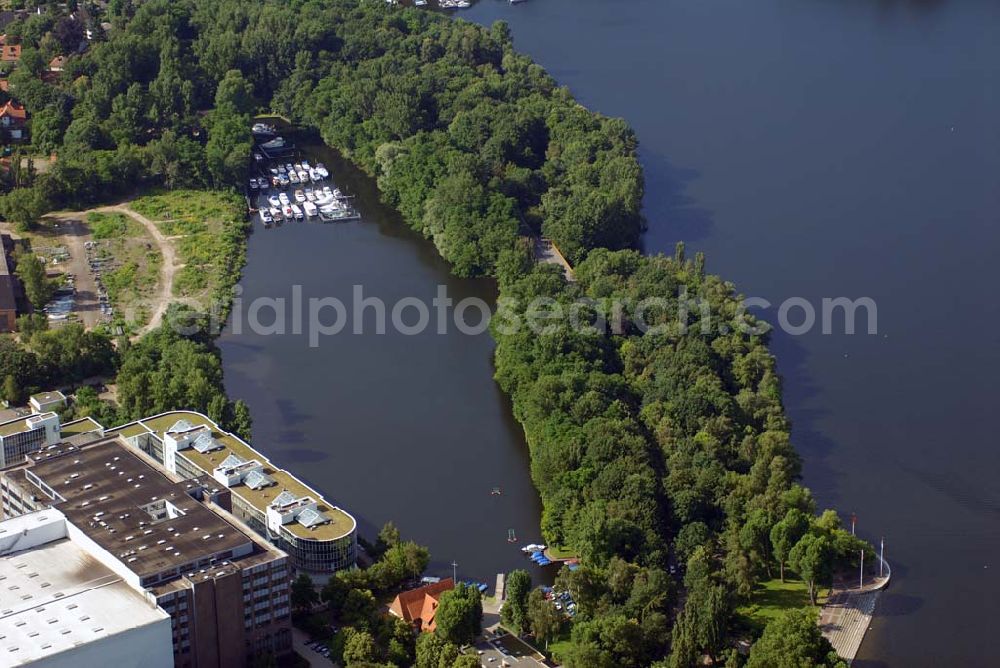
276, 143
262, 130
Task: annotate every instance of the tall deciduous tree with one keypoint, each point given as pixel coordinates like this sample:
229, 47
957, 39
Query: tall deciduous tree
515, 606
785, 534
543, 618
793, 640
303, 593
812, 558
459, 614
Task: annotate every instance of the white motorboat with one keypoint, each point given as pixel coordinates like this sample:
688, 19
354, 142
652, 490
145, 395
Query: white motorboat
283, 198
296, 211
300, 196
277, 142
274, 200
293, 177
322, 170
310, 209
262, 130
265, 216
275, 213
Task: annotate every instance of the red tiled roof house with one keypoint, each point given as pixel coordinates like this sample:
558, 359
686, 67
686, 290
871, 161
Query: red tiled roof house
419, 606
12, 118
10, 53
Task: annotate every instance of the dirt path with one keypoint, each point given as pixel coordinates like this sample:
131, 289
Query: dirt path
74, 235
78, 234
168, 267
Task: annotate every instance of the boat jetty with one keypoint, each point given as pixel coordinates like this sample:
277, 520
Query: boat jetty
284, 186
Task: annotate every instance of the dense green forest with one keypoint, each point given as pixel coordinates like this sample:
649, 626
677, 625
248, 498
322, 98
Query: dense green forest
663, 459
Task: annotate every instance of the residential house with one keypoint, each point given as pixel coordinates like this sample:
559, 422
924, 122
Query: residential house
57, 64
12, 119
419, 606
10, 53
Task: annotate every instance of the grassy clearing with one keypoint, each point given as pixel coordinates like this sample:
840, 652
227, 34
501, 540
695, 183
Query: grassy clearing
557, 552
112, 226
130, 264
558, 649
773, 597
209, 233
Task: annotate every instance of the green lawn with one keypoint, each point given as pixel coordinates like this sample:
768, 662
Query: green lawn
771, 598
558, 649
112, 225
557, 552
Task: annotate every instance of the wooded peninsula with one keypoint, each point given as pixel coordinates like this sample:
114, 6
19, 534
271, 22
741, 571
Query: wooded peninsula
663, 460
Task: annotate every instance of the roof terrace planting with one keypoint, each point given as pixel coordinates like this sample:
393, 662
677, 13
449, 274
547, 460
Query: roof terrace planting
254, 490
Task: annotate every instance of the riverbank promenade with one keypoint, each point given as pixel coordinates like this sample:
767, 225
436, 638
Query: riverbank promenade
848, 612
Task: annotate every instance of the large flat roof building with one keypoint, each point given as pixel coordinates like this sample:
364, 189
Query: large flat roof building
225, 590
61, 606
319, 536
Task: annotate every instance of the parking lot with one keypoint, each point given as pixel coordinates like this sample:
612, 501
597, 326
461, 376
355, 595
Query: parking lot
316, 653
506, 651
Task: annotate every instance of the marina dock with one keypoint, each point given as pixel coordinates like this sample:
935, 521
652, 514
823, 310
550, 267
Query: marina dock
284, 187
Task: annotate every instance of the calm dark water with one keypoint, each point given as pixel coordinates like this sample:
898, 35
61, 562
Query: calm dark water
838, 148
391, 427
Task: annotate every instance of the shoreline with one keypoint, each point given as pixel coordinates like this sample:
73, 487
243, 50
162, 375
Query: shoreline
846, 616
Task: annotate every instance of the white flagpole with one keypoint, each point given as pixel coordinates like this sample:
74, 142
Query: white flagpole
881, 558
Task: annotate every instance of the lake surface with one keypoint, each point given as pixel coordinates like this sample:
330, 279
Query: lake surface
410, 429
823, 149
